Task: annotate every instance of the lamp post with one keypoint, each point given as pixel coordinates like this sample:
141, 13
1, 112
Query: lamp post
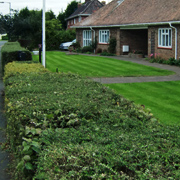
43, 34
9, 6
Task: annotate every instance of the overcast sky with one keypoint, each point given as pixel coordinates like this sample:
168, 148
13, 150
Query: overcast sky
55, 5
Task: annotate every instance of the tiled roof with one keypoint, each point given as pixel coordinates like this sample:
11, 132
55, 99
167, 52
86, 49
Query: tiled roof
87, 8
120, 12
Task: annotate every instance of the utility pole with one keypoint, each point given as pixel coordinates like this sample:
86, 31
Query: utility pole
44, 34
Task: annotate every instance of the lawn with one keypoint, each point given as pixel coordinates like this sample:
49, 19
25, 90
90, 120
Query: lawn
95, 66
163, 98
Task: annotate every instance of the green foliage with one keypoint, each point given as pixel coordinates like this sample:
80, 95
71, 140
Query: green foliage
86, 49
61, 17
76, 45
112, 45
5, 37
30, 22
161, 97
170, 61
106, 53
7, 24
94, 44
72, 6
11, 52
67, 36
53, 28
63, 126
99, 50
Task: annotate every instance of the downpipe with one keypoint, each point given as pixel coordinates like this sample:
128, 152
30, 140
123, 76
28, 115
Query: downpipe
175, 39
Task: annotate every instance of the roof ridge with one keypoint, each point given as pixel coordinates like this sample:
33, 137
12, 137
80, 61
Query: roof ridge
87, 6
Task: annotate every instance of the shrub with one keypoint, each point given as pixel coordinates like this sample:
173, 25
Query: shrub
64, 126
99, 50
86, 49
5, 37
170, 61
12, 51
76, 45
106, 53
112, 45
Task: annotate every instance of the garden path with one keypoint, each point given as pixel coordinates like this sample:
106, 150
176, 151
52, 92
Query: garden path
175, 77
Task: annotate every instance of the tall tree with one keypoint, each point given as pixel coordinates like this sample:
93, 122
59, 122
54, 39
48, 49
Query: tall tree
71, 7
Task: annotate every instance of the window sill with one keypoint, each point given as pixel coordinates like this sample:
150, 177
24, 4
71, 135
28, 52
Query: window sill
164, 48
103, 43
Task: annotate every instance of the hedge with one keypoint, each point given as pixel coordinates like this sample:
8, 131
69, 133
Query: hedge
64, 126
12, 51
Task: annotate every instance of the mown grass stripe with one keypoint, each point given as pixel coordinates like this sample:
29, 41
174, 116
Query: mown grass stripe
93, 66
163, 98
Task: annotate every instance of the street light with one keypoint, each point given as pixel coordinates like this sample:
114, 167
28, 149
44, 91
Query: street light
9, 6
43, 33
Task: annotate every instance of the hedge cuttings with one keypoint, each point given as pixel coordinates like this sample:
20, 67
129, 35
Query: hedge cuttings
63, 126
10, 52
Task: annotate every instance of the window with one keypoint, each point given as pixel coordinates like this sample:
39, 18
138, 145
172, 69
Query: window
104, 36
74, 21
79, 18
165, 37
87, 37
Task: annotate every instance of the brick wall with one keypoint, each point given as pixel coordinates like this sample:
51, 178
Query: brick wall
70, 22
164, 53
136, 39
139, 39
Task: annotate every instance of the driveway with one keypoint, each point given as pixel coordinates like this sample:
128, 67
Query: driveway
4, 158
175, 77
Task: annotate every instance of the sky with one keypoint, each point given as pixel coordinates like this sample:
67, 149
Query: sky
56, 6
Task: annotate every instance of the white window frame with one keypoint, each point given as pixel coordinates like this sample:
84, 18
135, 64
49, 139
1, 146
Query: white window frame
104, 36
165, 37
79, 18
74, 21
87, 37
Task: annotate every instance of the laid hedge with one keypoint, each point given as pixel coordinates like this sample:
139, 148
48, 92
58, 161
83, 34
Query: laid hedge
63, 126
11, 52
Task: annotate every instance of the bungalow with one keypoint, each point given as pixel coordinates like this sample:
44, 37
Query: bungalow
83, 11
150, 26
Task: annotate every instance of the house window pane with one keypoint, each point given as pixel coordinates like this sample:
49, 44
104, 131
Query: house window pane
165, 37
103, 36
87, 37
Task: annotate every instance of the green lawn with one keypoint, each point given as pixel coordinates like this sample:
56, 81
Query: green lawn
95, 66
163, 98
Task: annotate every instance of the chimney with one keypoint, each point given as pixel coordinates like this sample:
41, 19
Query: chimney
87, 1
103, 2
79, 5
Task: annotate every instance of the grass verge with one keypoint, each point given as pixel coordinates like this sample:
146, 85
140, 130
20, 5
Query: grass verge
163, 98
95, 66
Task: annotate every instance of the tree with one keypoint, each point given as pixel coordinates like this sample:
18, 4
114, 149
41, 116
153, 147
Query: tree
72, 6
61, 18
6, 24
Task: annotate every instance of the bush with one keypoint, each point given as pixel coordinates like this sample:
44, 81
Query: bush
76, 45
112, 45
170, 61
12, 51
5, 38
86, 49
106, 53
64, 126
99, 50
